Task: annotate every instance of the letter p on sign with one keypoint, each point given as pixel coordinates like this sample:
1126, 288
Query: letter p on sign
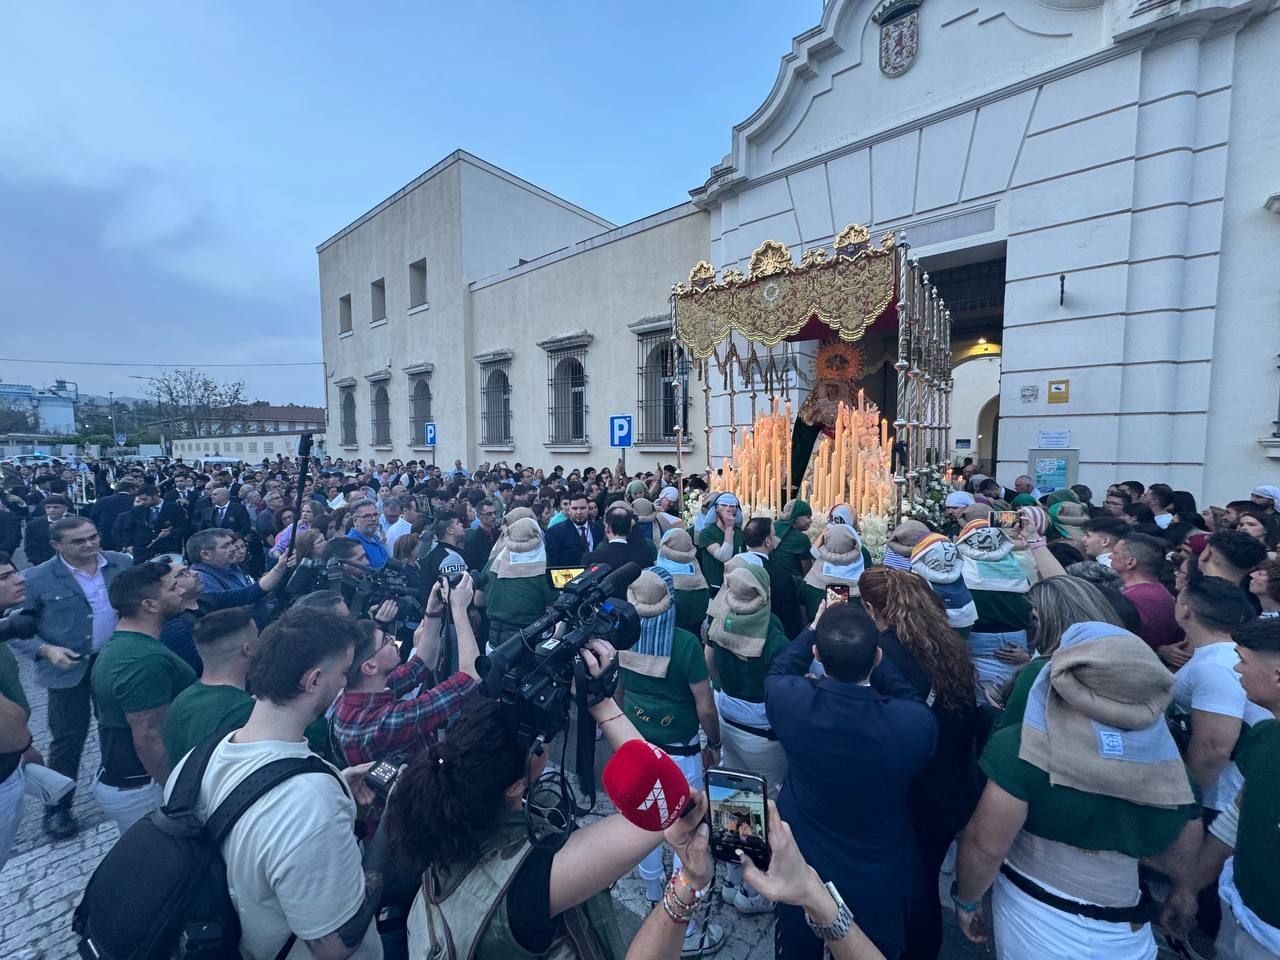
620, 430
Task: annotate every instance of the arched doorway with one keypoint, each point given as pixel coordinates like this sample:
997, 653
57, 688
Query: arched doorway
975, 407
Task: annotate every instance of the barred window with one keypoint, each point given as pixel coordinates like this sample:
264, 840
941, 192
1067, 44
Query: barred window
348, 404
419, 409
658, 411
495, 411
380, 405
567, 396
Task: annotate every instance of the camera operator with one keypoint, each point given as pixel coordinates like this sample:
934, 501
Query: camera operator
460, 811
293, 865
370, 720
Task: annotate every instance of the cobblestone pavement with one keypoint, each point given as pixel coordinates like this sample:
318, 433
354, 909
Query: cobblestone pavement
43, 881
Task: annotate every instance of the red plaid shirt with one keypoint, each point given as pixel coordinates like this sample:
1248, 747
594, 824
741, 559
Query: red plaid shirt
371, 726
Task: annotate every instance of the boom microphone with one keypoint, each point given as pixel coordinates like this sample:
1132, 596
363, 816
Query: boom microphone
646, 785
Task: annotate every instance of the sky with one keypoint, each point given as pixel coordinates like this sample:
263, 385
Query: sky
167, 170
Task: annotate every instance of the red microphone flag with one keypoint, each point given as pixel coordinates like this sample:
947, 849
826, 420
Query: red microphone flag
646, 786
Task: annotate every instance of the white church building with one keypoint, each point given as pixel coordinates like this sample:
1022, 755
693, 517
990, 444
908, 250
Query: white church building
1093, 186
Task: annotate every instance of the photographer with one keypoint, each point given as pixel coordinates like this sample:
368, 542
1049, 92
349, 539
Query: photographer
370, 720
460, 812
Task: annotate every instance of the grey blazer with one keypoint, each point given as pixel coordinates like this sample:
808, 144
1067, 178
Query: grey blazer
66, 619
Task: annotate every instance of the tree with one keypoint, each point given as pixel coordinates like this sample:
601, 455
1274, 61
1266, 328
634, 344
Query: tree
15, 418
193, 404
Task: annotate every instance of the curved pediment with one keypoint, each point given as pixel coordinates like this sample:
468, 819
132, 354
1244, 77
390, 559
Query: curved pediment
834, 88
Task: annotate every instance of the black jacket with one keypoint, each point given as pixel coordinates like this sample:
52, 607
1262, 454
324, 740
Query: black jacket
564, 547
784, 600
35, 541
616, 554
236, 518
106, 511
136, 529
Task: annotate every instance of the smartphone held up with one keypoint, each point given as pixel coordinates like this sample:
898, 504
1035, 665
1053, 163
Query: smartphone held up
737, 813
837, 593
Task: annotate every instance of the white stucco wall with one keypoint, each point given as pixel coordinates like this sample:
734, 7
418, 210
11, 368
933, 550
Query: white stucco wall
1098, 144
975, 383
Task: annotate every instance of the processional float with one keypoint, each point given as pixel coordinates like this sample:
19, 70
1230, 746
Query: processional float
743, 329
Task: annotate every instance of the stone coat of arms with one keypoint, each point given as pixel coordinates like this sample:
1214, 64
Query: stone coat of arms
899, 22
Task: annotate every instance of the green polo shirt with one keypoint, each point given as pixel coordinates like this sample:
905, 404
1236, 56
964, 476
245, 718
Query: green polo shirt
10, 684
1085, 820
744, 679
135, 672
663, 708
1258, 836
199, 712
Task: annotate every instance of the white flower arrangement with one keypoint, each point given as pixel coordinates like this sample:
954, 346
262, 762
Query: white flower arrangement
692, 507
930, 505
875, 534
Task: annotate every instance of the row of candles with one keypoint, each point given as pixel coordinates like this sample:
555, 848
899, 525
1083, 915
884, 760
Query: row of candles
853, 465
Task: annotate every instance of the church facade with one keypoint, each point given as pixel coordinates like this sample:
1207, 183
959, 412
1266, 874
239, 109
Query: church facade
1091, 184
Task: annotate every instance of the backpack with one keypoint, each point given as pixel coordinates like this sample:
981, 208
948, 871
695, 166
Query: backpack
161, 891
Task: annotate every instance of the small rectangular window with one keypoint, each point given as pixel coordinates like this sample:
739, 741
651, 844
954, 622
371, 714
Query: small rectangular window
344, 313
378, 300
418, 283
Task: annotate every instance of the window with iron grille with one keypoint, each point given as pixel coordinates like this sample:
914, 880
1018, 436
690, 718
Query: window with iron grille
495, 410
348, 405
658, 411
419, 408
567, 396
380, 407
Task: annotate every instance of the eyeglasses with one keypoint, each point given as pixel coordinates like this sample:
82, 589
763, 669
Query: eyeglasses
364, 516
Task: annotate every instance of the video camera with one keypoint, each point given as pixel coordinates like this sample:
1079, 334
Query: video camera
362, 586
533, 672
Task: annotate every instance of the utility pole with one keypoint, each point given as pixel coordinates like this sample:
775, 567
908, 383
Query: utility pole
111, 398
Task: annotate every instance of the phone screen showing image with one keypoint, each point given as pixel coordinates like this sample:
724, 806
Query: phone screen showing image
838, 593
737, 814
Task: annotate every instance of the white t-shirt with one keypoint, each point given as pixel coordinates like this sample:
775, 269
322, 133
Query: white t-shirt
293, 864
1209, 682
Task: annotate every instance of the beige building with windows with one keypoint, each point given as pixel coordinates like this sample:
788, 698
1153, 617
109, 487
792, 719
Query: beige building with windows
444, 305
1098, 204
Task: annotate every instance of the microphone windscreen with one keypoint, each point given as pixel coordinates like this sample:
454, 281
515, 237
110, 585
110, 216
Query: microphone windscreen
646, 785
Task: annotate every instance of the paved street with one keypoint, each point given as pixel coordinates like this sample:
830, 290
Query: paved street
41, 884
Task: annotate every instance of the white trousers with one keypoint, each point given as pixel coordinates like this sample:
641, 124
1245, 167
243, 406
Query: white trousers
12, 803
746, 751
1235, 943
127, 807
1026, 929
651, 866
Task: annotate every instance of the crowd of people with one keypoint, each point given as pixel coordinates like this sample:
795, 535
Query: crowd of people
1069, 706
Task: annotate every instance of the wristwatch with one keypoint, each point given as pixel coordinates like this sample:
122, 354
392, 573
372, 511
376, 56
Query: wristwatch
837, 928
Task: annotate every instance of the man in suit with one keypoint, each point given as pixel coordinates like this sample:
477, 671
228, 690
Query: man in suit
784, 598
618, 550
152, 527
568, 542
35, 539
479, 540
76, 619
108, 509
225, 513
840, 735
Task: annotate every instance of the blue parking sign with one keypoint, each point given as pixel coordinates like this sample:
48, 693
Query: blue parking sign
620, 430
121, 438
429, 434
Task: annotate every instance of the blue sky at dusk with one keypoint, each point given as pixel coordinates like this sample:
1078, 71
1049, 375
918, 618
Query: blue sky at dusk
166, 170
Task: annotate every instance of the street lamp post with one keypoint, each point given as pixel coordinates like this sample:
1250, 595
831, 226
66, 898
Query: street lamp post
111, 398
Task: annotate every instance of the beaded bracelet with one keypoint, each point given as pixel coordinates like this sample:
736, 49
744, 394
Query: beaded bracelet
679, 911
